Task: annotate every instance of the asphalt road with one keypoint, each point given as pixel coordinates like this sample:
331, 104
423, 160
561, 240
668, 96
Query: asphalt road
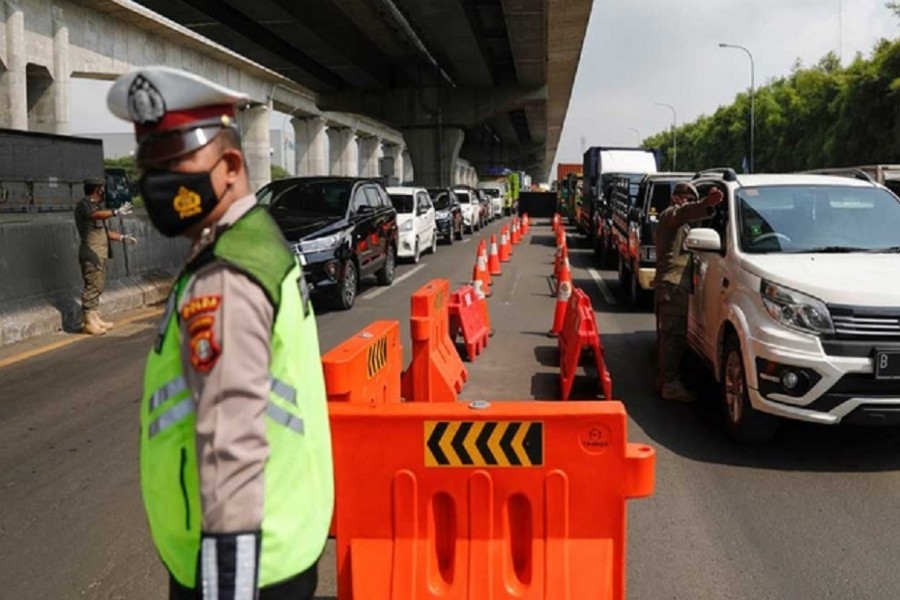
809, 516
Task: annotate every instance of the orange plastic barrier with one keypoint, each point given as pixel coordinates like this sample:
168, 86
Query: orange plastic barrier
579, 332
495, 501
467, 317
366, 368
436, 373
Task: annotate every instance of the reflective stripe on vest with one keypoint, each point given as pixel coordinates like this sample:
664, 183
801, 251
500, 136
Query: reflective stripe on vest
186, 407
169, 390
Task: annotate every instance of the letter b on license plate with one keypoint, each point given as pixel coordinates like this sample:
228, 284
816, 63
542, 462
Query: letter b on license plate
887, 365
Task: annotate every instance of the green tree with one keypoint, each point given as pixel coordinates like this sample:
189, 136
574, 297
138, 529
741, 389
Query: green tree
279, 172
894, 6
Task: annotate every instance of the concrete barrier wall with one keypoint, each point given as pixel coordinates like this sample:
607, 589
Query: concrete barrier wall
40, 278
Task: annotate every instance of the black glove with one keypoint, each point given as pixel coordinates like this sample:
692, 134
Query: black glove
229, 566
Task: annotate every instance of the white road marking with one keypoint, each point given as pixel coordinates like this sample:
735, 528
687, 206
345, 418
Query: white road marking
380, 290
607, 295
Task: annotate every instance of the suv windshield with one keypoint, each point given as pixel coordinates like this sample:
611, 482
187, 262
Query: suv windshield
402, 202
320, 198
824, 218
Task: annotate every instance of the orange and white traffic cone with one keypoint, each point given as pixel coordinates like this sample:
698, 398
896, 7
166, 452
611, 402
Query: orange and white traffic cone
482, 261
562, 262
481, 275
504, 245
509, 238
485, 311
555, 222
515, 231
564, 292
494, 258
525, 224
479, 282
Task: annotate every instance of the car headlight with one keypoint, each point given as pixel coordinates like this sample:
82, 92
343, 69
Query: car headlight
406, 226
795, 309
329, 242
442, 215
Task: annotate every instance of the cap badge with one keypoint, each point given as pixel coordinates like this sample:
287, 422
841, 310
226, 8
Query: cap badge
145, 104
187, 203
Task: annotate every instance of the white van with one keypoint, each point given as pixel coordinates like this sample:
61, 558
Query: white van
497, 192
795, 300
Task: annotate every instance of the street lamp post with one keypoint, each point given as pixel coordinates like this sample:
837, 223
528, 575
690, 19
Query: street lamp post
752, 93
637, 133
674, 134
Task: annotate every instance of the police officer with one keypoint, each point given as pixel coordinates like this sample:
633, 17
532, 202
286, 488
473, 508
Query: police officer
236, 468
94, 250
672, 284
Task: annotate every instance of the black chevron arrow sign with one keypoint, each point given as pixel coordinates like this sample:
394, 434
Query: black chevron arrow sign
484, 443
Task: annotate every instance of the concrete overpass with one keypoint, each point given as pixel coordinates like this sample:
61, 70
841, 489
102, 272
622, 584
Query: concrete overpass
416, 82
488, 80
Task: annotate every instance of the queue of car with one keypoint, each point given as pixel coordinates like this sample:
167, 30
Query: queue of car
344, 229
795, 296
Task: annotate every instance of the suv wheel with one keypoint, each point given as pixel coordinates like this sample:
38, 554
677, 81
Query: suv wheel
385, 274
434, 241
347, 287
743, 423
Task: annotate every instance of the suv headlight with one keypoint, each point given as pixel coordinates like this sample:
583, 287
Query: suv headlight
442, 215
795, 309
329, 242
406, 226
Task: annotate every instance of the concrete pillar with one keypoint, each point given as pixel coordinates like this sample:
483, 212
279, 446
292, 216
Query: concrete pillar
13, 86
368, 155
408, 171
311, 146
61, 72
342, 152
254, 122
434, 155
400, 158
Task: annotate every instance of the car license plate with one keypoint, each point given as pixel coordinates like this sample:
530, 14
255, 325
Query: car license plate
887, 365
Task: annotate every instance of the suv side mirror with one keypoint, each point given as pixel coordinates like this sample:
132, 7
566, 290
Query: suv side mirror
703, 239
364, 209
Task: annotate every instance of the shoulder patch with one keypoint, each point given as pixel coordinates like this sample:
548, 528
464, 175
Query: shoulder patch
200, 304
205, 350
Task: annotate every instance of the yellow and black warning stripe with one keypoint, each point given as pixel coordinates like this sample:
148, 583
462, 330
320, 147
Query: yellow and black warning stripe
378, 356
484, 443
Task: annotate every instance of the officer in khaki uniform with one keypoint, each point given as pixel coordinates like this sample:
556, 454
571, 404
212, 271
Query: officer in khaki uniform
94, 250
236, 470
672, 284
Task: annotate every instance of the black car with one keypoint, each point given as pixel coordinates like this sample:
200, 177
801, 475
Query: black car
448, 214
343, 228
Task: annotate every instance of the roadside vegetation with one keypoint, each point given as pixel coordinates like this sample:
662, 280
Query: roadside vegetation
826, 115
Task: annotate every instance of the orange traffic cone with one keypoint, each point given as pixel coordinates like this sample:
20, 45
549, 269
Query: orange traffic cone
504, 245
494, 258
485, 311
479, 281
481, 260
509, 238
515, 231
525, 224
562, 262
562, 300
555, 222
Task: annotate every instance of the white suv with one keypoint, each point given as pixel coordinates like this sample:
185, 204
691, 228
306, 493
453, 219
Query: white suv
795, 300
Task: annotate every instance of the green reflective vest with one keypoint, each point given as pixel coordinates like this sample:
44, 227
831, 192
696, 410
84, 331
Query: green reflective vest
299, 488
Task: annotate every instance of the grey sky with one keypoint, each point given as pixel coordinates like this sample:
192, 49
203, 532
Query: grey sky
639, 52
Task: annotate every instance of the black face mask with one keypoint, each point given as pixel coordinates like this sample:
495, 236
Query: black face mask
178, 201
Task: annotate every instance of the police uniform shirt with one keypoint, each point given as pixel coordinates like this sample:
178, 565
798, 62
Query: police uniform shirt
226, 325
671, 257
93, 232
